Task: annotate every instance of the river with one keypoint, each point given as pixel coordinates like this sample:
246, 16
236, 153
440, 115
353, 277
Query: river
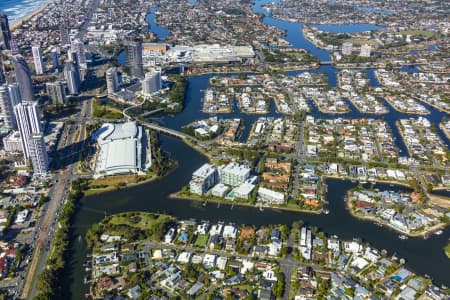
423, 257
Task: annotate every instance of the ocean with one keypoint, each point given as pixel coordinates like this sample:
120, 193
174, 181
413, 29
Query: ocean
17, 9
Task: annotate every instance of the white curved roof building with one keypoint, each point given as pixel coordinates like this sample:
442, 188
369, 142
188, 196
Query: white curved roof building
123, 149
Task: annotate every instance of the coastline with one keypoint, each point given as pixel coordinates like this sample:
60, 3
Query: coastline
17, 23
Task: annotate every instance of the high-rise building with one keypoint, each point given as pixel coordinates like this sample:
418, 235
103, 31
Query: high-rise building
365, 50
39, 66
2, 76
28, 123
133, 51
347, 48
38, 154
73, 57
14, 47
23, 78
56, 91
203, 179
64, 34
5, 33
14, 94
77, 46
112, 80
72, 75
152, 82
55, 61
7, 112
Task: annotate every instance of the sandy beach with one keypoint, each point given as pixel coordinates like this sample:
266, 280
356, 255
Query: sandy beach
17, 23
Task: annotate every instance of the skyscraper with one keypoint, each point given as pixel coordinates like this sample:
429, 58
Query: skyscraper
72, 75
5, 33
14, 46
77, 46
38, 154
23, 78
112, 80
56, 91
133, 51
55, 61
28, 123
39, 66
152, 82
7, 112
73, 57
14, 94
2, 76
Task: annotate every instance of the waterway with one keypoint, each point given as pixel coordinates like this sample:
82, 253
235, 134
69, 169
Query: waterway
423, 257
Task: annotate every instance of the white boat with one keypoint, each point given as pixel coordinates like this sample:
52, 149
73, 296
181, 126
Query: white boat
403, 237
326, 211
438, 232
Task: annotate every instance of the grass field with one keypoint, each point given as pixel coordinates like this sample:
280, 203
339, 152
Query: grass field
139, 220
417, 32
110, 183
201, 240
100, 110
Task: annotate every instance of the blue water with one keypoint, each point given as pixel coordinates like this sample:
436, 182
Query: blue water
17, 9
348, 28
160, 31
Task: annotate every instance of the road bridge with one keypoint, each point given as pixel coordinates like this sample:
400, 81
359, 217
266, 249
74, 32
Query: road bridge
167, 131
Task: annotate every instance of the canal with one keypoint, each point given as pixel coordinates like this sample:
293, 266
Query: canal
423, 257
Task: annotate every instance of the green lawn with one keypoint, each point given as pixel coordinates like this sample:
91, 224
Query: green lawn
419, 32
107, 111
201, 240
138, 219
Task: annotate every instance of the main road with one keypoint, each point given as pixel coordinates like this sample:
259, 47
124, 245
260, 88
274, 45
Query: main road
57, 195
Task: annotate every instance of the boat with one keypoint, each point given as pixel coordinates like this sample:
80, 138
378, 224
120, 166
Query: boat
403, 237
88, 269
438, 232
326, 211
204, 203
